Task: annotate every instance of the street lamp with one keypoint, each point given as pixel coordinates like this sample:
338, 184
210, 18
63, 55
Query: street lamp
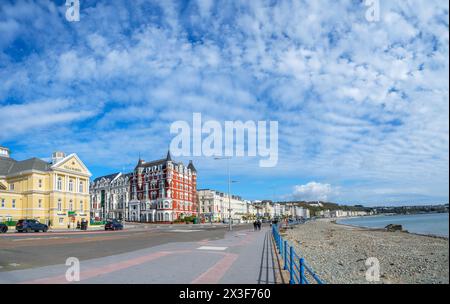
229, 186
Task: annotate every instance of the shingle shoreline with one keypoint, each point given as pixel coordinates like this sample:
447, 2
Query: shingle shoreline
338, 253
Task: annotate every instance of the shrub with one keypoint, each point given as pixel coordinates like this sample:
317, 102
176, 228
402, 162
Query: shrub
97, 223
9, 223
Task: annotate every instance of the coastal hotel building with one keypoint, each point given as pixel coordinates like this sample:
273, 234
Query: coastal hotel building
55, 192
162, 190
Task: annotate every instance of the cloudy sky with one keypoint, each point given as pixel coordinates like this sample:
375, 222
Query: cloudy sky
362, 106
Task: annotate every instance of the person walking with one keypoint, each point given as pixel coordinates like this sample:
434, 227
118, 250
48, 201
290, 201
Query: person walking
259, 224
255, 225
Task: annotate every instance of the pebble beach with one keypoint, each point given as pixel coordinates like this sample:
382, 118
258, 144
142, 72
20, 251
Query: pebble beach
337, 253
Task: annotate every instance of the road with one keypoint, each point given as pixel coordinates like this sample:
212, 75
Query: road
144, 254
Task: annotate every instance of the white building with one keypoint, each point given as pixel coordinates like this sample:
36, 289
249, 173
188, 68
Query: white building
251, 209
278, 210
109, 194
214, 206
302, 213
268, 209
342, 213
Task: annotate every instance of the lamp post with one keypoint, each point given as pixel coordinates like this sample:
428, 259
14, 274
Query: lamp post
229, 191
124, 211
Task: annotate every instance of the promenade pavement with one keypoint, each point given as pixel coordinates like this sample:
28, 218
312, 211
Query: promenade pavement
242, 256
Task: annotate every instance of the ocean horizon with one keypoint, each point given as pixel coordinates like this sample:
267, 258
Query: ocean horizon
427, 223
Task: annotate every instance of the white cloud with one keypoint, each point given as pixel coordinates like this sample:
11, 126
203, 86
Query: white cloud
20, 118
355, 101
313, 191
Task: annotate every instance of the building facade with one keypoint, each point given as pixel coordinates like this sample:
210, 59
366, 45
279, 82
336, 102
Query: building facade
55, 193
163, 191
265, 209
109, 196
214, 206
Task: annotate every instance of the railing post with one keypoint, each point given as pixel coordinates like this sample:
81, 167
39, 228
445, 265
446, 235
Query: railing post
302, 270
285, 255
291, 266
280, 246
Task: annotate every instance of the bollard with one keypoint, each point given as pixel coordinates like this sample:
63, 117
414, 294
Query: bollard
302, 270
291, 266
285, 255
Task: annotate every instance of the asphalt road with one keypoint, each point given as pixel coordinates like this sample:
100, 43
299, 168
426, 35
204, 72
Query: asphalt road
145, 254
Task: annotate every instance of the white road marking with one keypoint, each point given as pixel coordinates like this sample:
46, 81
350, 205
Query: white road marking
184, 230
14, 264
212, 248
32, 239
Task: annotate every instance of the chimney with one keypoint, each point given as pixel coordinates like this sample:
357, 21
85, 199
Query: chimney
4, 152
57, 156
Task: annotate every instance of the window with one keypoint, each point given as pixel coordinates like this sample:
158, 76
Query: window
70, 185
11, 187
81, 206
81, 187
39, 203
61, 220
3, 203
59, 187
59, 205
70, 205
40, 183
13, 203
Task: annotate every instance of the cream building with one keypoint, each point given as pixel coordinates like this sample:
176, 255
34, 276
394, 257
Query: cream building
214, 206
55, 192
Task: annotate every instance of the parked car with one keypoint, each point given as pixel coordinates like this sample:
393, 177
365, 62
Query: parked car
113, 225
30, 225
3, 228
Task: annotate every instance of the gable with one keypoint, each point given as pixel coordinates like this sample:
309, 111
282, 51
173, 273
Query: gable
72, 164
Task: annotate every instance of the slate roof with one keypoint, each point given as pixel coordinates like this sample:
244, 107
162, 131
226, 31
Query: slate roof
163, 161
5, 165
110, 177
9, 166
191, 166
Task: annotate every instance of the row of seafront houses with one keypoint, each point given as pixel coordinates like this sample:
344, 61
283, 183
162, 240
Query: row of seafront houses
60, 192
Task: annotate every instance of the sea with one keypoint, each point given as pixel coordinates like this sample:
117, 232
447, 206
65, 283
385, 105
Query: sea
427, 223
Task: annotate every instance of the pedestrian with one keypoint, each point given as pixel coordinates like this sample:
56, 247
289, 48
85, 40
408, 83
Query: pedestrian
258, 224
254, 226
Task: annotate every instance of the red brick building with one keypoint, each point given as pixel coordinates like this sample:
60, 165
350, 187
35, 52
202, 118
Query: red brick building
162, 191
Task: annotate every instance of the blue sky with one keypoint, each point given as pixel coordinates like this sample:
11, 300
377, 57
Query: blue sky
362, 106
